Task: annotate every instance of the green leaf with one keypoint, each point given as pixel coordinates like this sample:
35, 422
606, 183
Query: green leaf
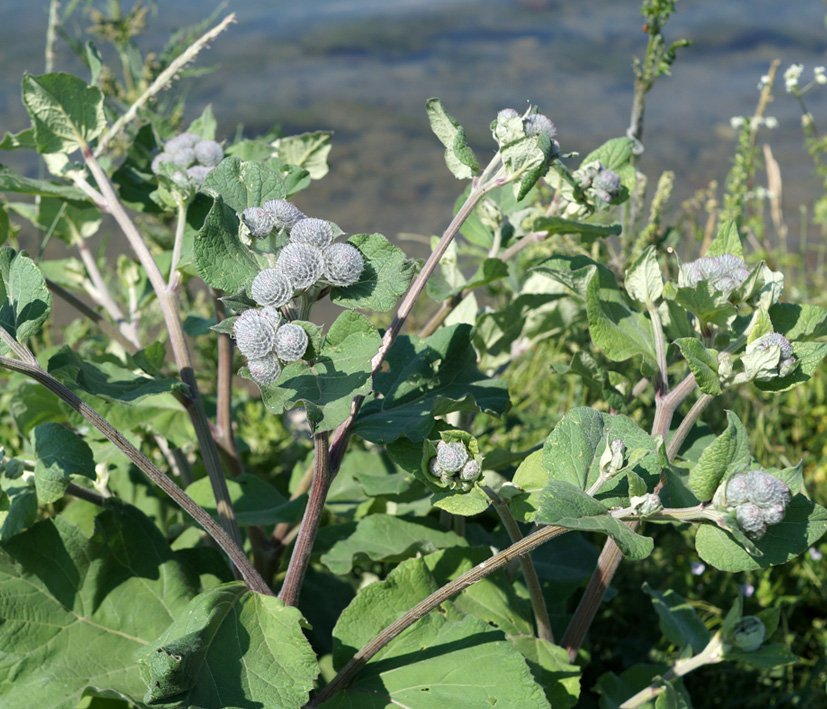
587, 230
75, 609
205, 125
532, 477
427, 378
798, 322
18, 509
385, 278
528, 158
728, 453
678, 621
255, 501
644, 281
564, 505
727, 241
243, 184
230, 648
105, 377
307, 150
22, 140
809, 355
25, 302
69, 221
220, 257
614, 154
616, 329
10, 181
441, 661
804, 524
702, 362
704, 301
381, 537
66, 113
458, 502
572, 451
458, 155
765, 657
60, 454
341, 371
549, 663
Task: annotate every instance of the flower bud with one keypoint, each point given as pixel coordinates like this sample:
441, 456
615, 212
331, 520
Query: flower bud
285, 213
254, 335
302, 263
259, 221
271, 287
317, 232
737, 490
434, 469
766, 490
507, 113
272, 315
749, 634
470, 471
451, 457
182, 180
773, 339
158, 159
608, 181
343, 264
183, 157
751, 520
208, 153
537, 123
185, 140
265, 370
198, 173
774, 513
291, 342
724, 365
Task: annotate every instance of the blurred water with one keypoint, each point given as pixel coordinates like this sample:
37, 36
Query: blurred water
364, 68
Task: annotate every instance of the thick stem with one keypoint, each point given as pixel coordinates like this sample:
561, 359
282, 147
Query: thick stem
174, 280
685, 426
169, 306
535, 592
480, 571
84, 493
662, 380
233, 551
303, 548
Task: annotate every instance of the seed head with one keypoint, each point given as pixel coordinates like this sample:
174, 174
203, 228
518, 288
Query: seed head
271, 287
265, 370
259, 221
751, 520
291, 342
451, 457
302, 263
208, 153
317, 232
254, 335
343, 264
285, 214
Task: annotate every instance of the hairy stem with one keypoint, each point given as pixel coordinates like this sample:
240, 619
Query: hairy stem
174, 280
535, 592
233, 550
164, 78
84, 493
169, 306
291, 588
685, 426
448, 591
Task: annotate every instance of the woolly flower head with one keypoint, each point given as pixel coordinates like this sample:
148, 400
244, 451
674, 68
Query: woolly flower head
772, 339
302, 263
343, 264
179, 142
538, 124
208, 153
725, 272
259, 221
271, 287
451, 457
265, 370
291, 342
284, 213
254, 334
317, 232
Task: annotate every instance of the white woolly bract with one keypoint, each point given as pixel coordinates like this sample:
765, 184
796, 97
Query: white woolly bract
451, 456
265, 370
254, 335
208, 153
285, 214
259, 221
317, 232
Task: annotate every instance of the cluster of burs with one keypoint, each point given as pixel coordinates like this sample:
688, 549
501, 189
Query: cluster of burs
759, 499
189, 152
308, 260
453, 465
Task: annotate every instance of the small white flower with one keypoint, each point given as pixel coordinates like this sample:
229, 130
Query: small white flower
747, 589
771, 122
815, 554
697, 568
737, 122
791, 76
764, 81
819, 75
